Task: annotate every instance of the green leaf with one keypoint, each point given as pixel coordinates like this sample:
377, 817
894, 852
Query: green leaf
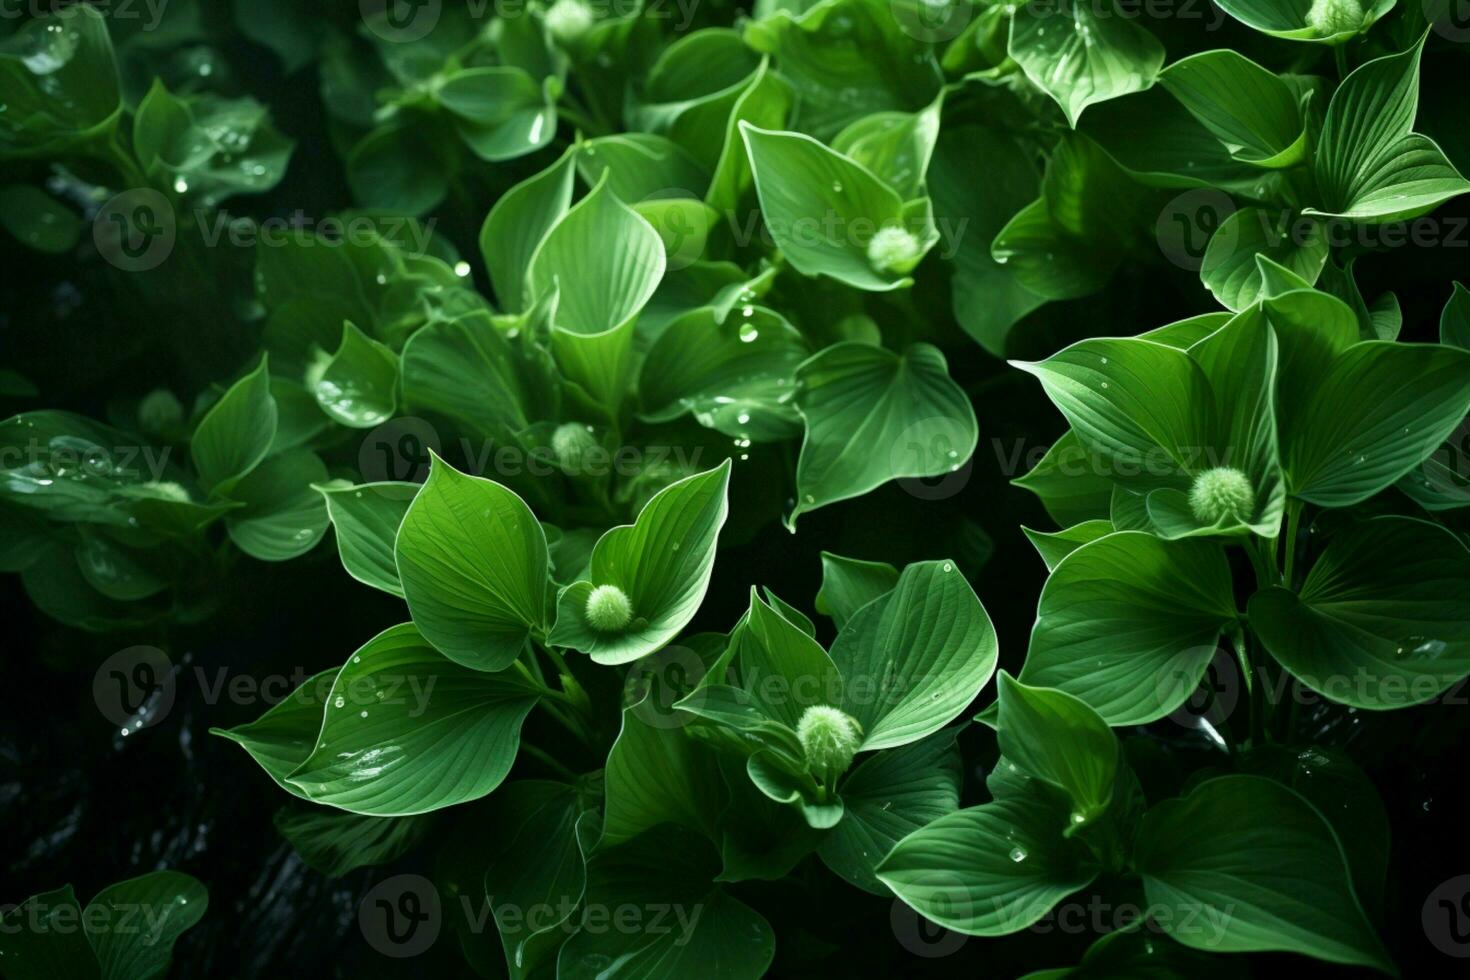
1291, 21
58, 82
39, 220
657, 774
1128, 624
389, 170
988, 297
1264, 867
408, 731
1249, 109
473, 563
358, 387
1369, 164
469, 370
690, 91
235, 435
501, 112
894, 146
1377, 411
872, 416
1454, 322
366, 518
735, 374
888, 796
845, 60
1080, 54
604, 261
823, 210
914, 659
1055, 737
639, 166
1071, 485
661, 562
334, 843
1144, 410
1378, 622
990, 870
516, 226
207, 148
665, 869
1056, 545
283, 738
134, 924
283, 516
848, 584
40, 939
1231, 268
765, 102
541, 868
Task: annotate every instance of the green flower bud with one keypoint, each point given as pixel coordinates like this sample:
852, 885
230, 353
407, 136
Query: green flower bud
1329, 17
571, 442
1222, 492
829, 737
894, 250
159, 413
567, 20
608, 609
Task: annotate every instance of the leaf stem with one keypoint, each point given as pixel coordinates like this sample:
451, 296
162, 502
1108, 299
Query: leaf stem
548, 760
1293, 517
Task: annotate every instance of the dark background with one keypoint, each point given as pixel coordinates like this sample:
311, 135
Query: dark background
80, 803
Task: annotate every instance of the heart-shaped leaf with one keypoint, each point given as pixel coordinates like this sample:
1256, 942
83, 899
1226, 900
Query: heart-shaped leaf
236, 434
1055, 737
1377, 623
473, 562
1249, 109
661, 563
358, 387
1128, 624
913, 659
283, 516
402, 725
1262, 866
872, 416
366, 518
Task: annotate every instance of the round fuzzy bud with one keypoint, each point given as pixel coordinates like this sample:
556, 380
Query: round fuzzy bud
830, 738
1222, 492
159, 412
571, 442
1329, 17
894, 250
567, 20
608, 609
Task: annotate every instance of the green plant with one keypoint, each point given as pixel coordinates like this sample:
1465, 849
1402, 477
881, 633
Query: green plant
611, 299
